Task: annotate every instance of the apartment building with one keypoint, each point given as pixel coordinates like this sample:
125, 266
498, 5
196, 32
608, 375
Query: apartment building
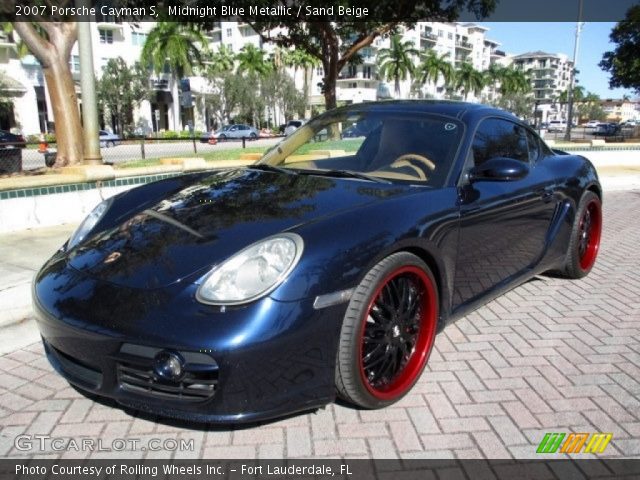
621, 110
550, 76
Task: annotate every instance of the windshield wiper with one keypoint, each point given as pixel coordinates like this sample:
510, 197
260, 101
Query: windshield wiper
271, 168
345, 174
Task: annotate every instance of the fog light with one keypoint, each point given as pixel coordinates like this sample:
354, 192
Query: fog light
168, 365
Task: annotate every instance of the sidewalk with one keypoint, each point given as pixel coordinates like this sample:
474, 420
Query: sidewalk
21, 255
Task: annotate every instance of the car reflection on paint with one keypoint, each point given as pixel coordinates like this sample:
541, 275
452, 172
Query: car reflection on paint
325, 269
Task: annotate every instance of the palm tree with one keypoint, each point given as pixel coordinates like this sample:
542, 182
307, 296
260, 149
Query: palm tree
468, 79
179, 47
222, 60
253, 63
510, 80
578, 95
433, 67
396, 62
563, 97
176, 45
298, 58
251, 60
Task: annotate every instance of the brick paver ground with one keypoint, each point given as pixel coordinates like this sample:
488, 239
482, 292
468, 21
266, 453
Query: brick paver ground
551, 356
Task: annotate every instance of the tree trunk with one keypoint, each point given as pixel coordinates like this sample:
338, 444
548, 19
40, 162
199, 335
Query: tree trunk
330, 50
308, 74
53, 51
66, 114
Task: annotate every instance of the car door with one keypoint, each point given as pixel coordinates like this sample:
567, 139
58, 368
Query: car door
503, 224
234, 132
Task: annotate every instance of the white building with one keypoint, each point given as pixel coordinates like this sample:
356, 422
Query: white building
550, 76
621, 110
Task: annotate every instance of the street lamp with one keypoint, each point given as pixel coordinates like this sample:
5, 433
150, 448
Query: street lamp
572, 78
88, 87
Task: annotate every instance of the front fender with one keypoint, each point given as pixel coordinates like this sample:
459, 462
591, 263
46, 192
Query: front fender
341, 249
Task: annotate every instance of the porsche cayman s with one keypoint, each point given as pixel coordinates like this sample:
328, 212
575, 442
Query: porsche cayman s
324, 269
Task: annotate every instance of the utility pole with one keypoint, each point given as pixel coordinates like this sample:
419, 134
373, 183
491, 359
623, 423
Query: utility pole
91, 138
572, 78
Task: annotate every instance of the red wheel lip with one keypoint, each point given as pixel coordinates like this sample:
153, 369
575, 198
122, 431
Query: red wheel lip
420, 356
588, 258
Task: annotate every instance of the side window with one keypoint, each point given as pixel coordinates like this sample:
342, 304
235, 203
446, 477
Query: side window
534, 146
499, 138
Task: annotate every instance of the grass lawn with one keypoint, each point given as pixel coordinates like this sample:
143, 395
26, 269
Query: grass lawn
227, 154
348, 145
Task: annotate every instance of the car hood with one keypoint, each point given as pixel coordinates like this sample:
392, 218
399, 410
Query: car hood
191, 230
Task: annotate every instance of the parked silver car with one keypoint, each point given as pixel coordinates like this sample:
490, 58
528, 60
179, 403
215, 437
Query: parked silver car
236, 131
109, 139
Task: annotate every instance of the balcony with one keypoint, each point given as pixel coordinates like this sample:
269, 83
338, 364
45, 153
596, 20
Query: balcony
464, 45
429, 37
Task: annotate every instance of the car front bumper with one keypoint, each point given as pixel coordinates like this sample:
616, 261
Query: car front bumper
242, 364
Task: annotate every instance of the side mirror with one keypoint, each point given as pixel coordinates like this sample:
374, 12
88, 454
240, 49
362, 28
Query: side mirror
499, 169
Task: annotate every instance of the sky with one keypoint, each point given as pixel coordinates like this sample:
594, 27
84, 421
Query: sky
559, 37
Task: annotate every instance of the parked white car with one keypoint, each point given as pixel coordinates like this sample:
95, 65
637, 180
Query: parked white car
292, 126
557, 126
592, 124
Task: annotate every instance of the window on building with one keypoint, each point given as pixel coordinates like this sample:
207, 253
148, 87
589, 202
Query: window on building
450, 36
138, 38
440, 33
366, 71
106, 36
74, 64
229, 32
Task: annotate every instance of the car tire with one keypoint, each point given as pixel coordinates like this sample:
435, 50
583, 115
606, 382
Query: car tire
111, 144
585, 237
253, 136
222, 137
381, 351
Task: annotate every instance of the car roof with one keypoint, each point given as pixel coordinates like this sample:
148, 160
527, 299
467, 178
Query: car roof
450, 108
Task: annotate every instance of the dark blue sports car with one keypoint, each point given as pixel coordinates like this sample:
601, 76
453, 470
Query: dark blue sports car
325, 269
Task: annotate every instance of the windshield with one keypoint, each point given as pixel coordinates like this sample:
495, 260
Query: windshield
394, 146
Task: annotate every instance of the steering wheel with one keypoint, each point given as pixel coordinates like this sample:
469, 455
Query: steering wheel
427, 166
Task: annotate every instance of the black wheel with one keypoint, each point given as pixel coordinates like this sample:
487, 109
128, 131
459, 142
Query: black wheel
388, 332
222, 137
111, 144
585, 237
253, 136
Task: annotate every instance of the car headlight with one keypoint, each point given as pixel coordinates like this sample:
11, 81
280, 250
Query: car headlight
253, 272
88, 223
